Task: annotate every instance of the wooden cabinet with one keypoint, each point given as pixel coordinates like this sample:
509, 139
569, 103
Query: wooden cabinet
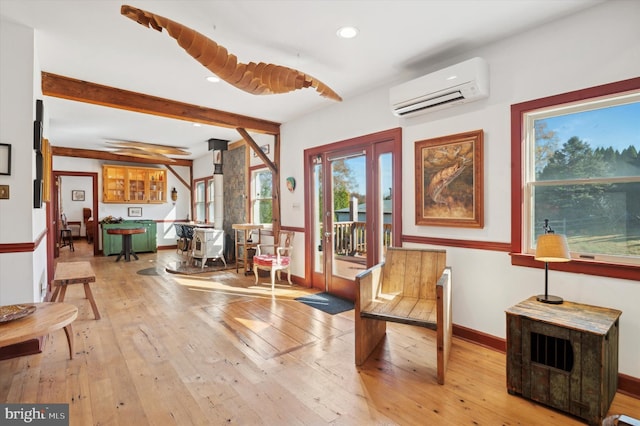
564, 356
147, 242
133, 184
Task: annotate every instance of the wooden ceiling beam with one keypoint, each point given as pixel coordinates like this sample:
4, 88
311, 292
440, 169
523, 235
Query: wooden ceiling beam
83, 91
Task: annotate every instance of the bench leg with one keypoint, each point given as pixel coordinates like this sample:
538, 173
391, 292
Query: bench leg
89, 295
63, 292
69, 332
369, 333
55, 292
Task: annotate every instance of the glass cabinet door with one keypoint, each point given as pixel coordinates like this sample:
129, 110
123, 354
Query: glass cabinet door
114, 183
157, 186
137, 185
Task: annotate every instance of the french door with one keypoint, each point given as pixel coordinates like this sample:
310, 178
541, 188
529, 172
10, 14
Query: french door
354, 208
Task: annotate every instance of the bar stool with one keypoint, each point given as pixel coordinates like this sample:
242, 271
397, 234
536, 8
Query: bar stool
66, 238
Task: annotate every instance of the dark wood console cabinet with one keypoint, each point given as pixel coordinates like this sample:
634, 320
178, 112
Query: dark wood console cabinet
564, 356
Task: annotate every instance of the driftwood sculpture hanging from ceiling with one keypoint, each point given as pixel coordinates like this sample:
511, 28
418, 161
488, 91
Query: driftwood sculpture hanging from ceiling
146, 150
257, 79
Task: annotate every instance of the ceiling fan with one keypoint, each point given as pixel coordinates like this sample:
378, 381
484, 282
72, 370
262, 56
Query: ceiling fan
257, 79
147, 150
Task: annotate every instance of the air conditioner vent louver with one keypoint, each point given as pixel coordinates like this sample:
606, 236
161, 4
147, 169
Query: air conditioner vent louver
430, 103
465, 82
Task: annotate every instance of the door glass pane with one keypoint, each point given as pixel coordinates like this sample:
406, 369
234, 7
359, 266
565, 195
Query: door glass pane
317, 218
348, 180
385, 191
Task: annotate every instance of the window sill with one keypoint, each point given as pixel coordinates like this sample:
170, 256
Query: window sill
609, 270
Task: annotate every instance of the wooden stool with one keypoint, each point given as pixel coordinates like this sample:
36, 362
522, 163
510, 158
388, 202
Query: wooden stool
74, 273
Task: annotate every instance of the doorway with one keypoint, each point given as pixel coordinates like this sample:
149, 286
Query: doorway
354, 208
70, 199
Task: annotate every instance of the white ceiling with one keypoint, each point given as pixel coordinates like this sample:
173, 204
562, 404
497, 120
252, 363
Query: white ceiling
90, 40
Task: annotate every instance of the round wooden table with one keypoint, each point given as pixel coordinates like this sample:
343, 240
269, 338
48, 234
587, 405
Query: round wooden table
127, 247
47, 317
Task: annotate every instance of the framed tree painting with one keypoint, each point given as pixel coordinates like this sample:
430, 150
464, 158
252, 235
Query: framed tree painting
449, 180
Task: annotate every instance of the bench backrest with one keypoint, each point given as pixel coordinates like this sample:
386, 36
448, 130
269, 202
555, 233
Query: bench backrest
412, 272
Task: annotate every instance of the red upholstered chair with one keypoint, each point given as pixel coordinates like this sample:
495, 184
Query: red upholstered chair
275, 257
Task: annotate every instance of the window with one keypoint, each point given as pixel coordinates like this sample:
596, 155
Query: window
203, 194
261, 196
210, 206
199, 201
581, 170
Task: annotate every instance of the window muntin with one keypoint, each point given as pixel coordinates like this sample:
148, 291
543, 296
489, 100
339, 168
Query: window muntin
583, 174
261, 196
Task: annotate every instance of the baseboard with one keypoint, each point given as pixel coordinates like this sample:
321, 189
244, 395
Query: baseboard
627, 385
479, 338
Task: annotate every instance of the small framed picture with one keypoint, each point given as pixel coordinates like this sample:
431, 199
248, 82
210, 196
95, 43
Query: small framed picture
5, 159
77, 195
263, 148
134, 212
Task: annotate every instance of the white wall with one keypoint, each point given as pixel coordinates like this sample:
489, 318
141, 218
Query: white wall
22, 274
164, 213
599, 46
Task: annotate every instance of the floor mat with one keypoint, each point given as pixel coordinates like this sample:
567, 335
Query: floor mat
149, 271
190, 269
327, 303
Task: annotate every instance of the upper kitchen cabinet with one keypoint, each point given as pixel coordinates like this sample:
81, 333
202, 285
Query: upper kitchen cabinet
133, 184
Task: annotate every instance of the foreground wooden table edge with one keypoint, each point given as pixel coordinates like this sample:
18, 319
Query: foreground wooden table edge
47, 317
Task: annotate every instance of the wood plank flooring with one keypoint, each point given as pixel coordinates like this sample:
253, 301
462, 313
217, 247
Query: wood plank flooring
214, 349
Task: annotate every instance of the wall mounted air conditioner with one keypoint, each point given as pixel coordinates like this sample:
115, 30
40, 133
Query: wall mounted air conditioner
465, 82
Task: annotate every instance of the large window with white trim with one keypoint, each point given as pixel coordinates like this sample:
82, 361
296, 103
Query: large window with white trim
203, 200
581, 170
261, 196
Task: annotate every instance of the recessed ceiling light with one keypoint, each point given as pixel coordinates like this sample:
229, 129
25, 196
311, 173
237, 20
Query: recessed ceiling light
347, 32
213, 79
197, 125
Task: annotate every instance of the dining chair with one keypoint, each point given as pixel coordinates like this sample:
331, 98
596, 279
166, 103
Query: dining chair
66, 237
275, 257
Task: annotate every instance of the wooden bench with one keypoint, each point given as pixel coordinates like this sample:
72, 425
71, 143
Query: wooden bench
412, 286
74, 273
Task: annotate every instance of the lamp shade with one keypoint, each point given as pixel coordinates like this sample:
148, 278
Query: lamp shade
552, 248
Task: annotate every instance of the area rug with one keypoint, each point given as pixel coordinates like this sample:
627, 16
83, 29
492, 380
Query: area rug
189, 269
327, 303
149, 271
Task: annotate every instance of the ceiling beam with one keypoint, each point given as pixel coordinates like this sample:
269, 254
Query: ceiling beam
102, 155
83, 91
256, 149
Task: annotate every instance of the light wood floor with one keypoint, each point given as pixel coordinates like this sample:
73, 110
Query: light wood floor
214, 349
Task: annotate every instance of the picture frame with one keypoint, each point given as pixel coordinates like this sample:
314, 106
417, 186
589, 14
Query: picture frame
134, 211
37, 193
5, 159
77, 195
449, 179
46, 152
264, 148
37, 136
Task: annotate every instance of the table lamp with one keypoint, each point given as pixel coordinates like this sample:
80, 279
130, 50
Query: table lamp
550, 247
